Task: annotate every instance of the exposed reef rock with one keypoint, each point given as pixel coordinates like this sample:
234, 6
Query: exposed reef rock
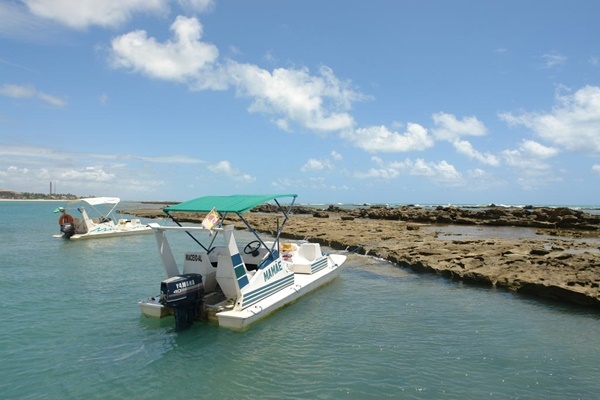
546, 252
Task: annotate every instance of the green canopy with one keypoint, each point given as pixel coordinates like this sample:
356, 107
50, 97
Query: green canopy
236, 203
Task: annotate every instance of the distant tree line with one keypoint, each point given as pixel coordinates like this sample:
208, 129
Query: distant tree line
12, 195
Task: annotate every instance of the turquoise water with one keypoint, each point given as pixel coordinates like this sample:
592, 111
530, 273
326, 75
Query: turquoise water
71, 329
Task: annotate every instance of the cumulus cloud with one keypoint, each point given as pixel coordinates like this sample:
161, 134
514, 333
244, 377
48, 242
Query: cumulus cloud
180, 59
384, 173
596, 168
572, 124
316, 165
323, 164
318, 102
224, 168
448, 127
441, 172
80, 14
91, 173
465, 148
538, 150
529, 158
381, 139
30, 92
37, 19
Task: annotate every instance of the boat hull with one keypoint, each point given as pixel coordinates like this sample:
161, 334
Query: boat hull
152, 308
240, 320
108, 234
303, 284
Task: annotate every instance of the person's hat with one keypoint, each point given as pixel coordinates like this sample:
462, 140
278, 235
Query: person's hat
59, 209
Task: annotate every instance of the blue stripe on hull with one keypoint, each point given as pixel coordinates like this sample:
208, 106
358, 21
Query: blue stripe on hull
240, 270
319, 265
266, 291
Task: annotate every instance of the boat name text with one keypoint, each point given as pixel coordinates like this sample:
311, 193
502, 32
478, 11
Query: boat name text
274, 269
193, 257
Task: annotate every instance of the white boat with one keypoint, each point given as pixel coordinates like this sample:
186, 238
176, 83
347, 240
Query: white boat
218, 282
100, 221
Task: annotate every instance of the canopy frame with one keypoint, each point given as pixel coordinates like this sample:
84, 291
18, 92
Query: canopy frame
236, 204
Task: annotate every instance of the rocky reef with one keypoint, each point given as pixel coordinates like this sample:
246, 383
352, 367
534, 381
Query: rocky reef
547, 252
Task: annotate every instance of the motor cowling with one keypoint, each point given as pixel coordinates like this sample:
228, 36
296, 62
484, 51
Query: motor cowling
184, 294
67, 229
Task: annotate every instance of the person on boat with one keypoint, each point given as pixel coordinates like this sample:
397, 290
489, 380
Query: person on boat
65, 217
65, 221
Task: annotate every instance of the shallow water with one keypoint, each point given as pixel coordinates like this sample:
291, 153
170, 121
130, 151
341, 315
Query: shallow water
462, 232
72, 330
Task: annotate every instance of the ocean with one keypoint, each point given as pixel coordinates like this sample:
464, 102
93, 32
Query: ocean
72, 329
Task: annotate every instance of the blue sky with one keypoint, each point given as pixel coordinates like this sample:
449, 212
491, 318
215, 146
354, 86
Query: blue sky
339, 101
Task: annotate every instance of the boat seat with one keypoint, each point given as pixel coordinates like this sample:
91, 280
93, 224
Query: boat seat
310, 251
79, 226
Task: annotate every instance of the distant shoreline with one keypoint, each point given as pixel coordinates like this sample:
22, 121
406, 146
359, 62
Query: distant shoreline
48, 200
592, 209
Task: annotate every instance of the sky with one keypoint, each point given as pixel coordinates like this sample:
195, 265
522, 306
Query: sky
338, 101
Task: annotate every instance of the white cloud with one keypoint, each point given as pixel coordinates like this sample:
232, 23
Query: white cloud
178, 60
378, 173
316, 165
52, 100
596, 168
92, 173
224, 168
80, 14
528, 158
18, 91
448, 127
478, 173
32, 167
30, 92
441, 172
293, 96
316, 102
573, 124
320, 165
553, 59
465, 148
381, 139
538, 150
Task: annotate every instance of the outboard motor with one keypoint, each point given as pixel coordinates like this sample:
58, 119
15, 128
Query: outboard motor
184, 294
68, 230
